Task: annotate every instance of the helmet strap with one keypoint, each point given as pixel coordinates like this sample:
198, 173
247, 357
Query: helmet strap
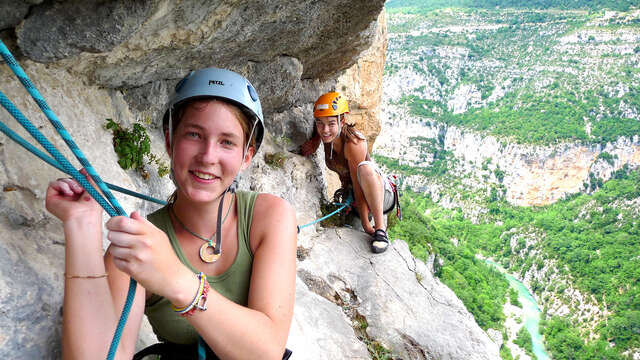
246, 148
170, 127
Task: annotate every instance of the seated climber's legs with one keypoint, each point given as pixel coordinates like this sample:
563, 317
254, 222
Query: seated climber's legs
371, 181
371, 184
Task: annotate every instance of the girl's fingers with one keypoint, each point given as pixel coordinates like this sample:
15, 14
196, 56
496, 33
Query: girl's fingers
73, 185
65, 186
122, 264
61, 187
121, 239
121, 253
125, 225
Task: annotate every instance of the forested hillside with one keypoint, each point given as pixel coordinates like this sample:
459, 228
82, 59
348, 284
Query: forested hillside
538, 73
531, 75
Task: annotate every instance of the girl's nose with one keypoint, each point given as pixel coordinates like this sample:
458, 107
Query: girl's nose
208, 152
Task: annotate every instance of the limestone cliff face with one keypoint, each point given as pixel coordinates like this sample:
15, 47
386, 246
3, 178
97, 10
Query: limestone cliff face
440, 72
362, 84
533, 175
119, 60
542, 175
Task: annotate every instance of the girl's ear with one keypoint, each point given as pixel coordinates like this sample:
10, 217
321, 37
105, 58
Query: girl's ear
247, 157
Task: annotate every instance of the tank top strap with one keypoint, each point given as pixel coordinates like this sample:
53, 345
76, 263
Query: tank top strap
246, 201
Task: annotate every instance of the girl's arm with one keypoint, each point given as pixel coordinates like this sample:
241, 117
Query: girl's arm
311, 145
260, 330
91, 305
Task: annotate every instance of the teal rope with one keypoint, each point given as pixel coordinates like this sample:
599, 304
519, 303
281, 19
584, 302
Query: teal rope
113, 211
202, 352
348, 203
47, 145
53, 119
35, 151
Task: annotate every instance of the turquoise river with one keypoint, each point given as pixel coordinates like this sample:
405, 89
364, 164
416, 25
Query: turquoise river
531, 312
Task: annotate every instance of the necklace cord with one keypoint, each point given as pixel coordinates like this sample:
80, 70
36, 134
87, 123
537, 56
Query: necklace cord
218, 247
215, 235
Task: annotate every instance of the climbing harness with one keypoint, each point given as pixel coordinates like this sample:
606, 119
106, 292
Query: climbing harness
396, 196
112, 207
185, 352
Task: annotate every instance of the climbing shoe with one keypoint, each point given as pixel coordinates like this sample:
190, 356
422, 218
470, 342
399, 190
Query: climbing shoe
379, 241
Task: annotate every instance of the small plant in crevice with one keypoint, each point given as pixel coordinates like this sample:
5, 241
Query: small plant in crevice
283, 141
378, 351
362, 322
337, 220
163, 167
275, 160
374, 347
132, 147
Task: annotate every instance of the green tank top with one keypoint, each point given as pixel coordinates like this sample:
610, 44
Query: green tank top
232, 284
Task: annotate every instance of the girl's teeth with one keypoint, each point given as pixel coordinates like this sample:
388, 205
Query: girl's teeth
203, 176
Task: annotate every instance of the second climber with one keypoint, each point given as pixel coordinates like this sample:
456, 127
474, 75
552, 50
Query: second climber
346, 153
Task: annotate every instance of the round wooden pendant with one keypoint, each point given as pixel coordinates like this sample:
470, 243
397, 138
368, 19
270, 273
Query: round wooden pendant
206, 253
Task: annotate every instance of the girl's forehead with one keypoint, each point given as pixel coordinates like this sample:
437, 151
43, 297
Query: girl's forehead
327, 118
213, 114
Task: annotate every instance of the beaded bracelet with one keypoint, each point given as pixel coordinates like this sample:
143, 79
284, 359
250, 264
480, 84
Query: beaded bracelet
199, 302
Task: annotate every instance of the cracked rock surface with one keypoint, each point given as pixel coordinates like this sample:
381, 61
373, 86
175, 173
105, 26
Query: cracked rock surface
415, 320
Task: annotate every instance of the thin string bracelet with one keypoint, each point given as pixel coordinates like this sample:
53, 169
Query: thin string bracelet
85, 276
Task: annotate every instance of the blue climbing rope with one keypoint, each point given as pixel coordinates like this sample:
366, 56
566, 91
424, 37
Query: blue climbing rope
112, 207
35, 151
47, 145
344, 205
53, 119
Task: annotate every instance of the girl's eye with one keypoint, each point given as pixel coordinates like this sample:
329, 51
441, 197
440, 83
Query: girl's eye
227, 142
192, 134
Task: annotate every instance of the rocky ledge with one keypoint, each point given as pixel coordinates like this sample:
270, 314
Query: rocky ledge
349, 300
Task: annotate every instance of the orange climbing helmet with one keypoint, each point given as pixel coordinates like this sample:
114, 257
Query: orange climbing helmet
330, 104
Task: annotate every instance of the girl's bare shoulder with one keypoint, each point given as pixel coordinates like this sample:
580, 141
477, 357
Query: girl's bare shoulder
271, 206
273, 218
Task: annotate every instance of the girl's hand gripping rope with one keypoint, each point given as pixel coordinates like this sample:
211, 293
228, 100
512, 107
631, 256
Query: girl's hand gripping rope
144, 252
67, 200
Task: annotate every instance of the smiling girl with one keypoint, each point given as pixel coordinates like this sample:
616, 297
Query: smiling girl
216, 267
346, 153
